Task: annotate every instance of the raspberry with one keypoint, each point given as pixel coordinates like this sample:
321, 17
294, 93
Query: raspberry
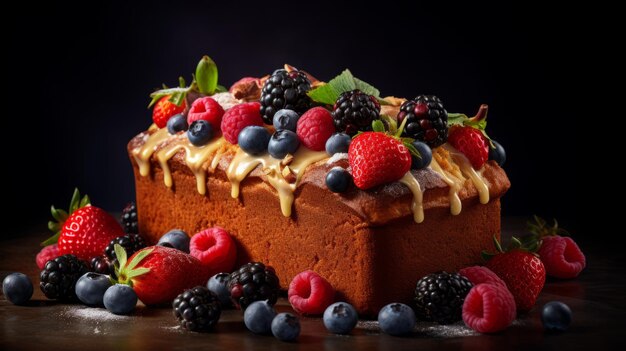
215, 249
206, 109
46, 254
315, 126
238, 117
310, 294
488, 308
481, 275
471, 142
561, 257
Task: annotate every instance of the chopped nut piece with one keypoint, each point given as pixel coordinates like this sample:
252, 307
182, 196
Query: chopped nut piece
287, 160
269, 171
289, 176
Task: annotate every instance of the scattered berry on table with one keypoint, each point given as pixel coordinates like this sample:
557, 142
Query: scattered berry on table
338, 180
258, 317
498, 154
215, 248
286, 327
480, 274
489, 308
129, 218
59, 276
200, 132
355, 111
427, 120
164, 109
120, 299
562, 257
254, 139
396, 319
17, 288
90, 288
102, 265
338, 143
218, 284
439, 297
471, 143
253, 282
286, 119
177, 123
309, 293
283, 142
176, 239
284, 90
314, 128
426, 155
206, 109
556, 316
340, 318
238, 117
197, 309
130, 242
46, 254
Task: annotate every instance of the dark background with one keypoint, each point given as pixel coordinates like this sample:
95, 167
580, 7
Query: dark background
78, 81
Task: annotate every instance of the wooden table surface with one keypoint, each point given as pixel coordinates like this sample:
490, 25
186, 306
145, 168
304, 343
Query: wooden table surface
596, 299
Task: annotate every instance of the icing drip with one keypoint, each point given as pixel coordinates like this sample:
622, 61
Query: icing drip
470, 172
453, 182
417, 205
142, 155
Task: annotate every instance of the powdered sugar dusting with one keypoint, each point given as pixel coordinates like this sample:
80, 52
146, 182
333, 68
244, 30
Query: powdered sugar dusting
91, 314
226, 100
337, 157
456, 330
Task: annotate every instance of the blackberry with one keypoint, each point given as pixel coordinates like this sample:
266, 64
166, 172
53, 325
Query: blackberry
354, 111
253, 282
129, 218
439, 297
284, 90
130, 242
59, 276
197, 309
102, 265
427, 120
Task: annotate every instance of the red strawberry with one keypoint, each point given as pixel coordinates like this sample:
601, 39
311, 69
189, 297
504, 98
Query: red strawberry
164, 109
238, 117
310, 294
377, 158
488, 308
314, 127
158, 273
46, 254
521, 270
207, 109
471, 142
481, 275
215, 248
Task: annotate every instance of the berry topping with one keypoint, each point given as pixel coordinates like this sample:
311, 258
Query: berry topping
283, 142
176, 239
340, 318
481, 275
218, 284
439, 297
129, 218
286, 327
286, 119
471, 142
238, 117
197, 309
200, 132
206, 109
254, 140
556, 316
489, 308
338, 180
427, 120
284, 90
164, 109
426, 155
46, 254
17, 288
215, 248
497, 154
253, 282
355, 111
338, 143
396, 319
120, 299
59, 276
560, 254
177, 123
130, 242
315, 126
90, 288
258, 317
310, 294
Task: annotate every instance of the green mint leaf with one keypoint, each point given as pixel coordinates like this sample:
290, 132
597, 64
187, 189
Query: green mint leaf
378, 126
366, 88
324, 94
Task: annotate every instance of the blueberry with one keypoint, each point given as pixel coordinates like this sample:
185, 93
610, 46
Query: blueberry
338, 180
283, 142
286, 119
17, 288
176, 239
120, 299
177, 123
218, 284
498, 154
340, 318
253, 139
556, 315
396, 319
338, 143
90, 288
200, 132
258, 317
426, 155
286, 327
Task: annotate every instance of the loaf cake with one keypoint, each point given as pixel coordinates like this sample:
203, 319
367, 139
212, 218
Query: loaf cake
372, 243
